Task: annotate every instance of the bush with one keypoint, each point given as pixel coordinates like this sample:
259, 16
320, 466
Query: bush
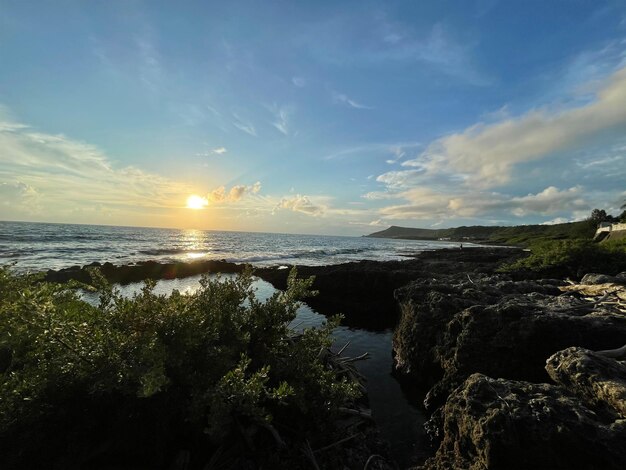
573, 257
132, 381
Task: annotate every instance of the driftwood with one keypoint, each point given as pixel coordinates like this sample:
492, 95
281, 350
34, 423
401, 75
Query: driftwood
611, 297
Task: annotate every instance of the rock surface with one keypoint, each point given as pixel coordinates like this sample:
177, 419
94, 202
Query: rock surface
597, 380
456, 332
453, 327
502, 424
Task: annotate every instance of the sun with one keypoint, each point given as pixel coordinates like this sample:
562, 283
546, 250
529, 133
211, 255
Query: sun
196, 202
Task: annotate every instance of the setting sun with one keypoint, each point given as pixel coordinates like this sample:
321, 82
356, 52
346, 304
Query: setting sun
196, 202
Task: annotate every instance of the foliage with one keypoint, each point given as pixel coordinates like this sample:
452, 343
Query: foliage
598, 215
573, 257
142, 377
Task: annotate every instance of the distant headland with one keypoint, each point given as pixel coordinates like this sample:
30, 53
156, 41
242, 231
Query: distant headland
505, 235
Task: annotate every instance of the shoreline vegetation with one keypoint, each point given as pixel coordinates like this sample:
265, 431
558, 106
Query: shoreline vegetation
218, 370
212, 379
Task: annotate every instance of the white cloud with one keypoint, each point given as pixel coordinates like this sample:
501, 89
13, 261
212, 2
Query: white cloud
299, 203
18, 196
400, 179
549, 201
219, 150
235, 193
340, 98
426, 203
487, 154
556, 220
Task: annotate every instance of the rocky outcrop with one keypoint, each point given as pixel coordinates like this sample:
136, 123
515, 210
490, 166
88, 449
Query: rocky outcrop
501, 424
481, 343
452, 328
364, 291
595, 379
128, 273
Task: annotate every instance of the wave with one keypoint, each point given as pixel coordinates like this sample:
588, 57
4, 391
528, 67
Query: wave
168, 251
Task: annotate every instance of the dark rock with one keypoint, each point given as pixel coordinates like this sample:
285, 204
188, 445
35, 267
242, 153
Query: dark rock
126, 274
620, 278
597, 380
501, 424
593, 278
364, 291
489, 324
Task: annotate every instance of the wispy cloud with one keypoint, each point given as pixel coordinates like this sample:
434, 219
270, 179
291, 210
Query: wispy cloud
134, 56
213, 152
300, 82
384, 150
244, 126
341, 41
281, 117
340, 98
59, 173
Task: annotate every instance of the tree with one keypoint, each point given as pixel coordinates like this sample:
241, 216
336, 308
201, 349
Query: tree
598, 215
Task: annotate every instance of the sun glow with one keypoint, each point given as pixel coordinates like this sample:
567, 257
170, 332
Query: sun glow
196, 202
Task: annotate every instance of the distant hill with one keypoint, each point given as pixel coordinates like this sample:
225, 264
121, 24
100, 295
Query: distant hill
514, 235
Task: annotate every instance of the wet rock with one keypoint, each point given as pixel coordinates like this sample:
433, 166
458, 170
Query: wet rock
126, 274
502, 424
597, 380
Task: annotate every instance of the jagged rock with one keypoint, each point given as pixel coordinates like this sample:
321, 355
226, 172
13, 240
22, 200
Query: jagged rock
494, 326
126, 274
364, 291
594, 278
596, 379
500, 424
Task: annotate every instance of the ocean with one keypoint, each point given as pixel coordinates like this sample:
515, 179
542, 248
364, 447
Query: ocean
42, 246
398, 415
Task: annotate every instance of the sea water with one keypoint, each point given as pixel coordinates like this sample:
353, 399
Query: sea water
41, 246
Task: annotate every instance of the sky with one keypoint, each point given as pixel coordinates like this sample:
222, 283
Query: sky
322, 117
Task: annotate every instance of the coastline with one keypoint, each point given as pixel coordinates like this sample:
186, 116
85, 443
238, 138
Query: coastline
361, 290
463, 330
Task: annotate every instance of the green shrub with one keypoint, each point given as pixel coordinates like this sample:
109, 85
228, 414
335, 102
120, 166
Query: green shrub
573, 257
140, 378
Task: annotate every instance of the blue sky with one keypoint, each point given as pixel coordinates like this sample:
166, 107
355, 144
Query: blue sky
312, 117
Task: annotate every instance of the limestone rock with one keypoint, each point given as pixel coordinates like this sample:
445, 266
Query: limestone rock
500, 424
594, 378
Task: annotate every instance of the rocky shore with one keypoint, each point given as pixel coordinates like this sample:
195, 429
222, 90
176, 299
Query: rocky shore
514, 382
363, 291
521, 371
